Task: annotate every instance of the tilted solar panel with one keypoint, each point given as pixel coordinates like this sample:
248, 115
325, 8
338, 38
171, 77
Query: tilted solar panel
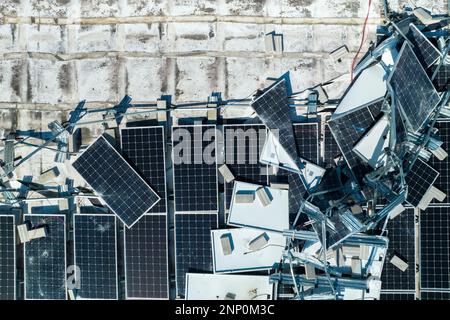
419, 179
45, 259
425, 51
113, 179
443, 167
146, 258
7, 258
96, 256
307, 141
413, 90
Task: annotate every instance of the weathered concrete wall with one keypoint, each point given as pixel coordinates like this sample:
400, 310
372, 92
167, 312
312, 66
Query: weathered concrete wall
54, 53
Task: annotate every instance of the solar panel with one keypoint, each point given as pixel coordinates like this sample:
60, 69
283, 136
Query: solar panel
7, 258
45, 259
195, 168
414, 91
112, 178
297, 192
193, 250
307, 140
243, 145
443, 167
434, 295
331, 150
349, 128
96, 256
146, 259
144, 147
425, 51
419, 179
272, 108
397, 296
401, 242
435, 248
442, 79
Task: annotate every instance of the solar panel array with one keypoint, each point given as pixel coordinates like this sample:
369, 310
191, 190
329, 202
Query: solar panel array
272, 108
435, 248
96, 256
123, 190
195, 179
414, 91
425, 51
297, 192
307, 141
144, 148
401, 242
146, 259
45, 259
419, 179
243, 145
193, 251
7, 258
434, 295
443, 167
442, 79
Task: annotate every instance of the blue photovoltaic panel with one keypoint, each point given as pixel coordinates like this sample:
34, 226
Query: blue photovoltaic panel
96, 256
146, 263
425, 51
435, 248
193, 252
443, 167
243, 145
397, 296
195, 168
442, 79
331, 148
45, 259
401, 242
113, 179
307, 141
144, 148
419, 179
7, 258
414, 92
272, 107
434, 295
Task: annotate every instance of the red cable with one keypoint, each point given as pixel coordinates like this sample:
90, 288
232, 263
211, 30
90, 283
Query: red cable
362, 39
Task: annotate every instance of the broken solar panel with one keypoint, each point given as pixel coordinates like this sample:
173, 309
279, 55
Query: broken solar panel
272, 107
435, 248
401, 243
331, 148
307, 141
144, 148
96, 256
193, 251
45, 259
419, 179
443, 167
243, 145
297, 192
425, 51
195, 169
113, 179
7, 258
442, 79
146, 259
349, 128
413, 90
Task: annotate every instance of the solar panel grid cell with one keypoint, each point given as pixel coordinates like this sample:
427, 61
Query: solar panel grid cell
144, 147
7, 258
96, 256
45, 259
146, 260
419, 179
443, 167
